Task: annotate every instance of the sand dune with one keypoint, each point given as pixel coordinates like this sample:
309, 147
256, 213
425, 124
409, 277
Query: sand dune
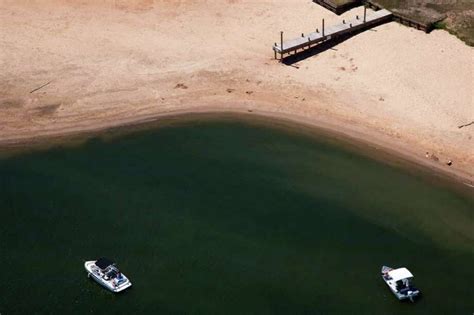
114, 62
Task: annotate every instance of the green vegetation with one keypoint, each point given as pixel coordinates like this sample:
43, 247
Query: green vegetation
441, 25
457, 17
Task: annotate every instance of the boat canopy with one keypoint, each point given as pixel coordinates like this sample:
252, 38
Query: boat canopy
399, 274
103, 263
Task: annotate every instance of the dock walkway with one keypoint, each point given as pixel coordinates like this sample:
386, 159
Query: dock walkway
356, 25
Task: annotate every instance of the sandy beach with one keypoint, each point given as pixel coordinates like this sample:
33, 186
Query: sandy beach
82, 66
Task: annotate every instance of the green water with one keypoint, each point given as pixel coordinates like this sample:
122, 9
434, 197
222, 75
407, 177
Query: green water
228, 217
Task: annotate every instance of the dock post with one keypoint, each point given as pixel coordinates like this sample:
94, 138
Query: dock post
323, 27
281, 45
365, 12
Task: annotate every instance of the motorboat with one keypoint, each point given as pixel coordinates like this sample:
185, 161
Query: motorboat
400, 282
105, 272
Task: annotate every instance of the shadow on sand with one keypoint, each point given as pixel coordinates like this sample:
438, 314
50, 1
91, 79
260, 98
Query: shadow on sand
290, 60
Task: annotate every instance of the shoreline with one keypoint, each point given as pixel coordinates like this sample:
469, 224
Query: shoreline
355, 136
72, 70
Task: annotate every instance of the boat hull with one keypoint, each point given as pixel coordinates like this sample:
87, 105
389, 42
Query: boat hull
109, 285
410, 296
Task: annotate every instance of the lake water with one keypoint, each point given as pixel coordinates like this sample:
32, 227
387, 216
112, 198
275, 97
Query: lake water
225, 216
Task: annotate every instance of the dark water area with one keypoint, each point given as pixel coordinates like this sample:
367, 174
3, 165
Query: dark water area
228, 217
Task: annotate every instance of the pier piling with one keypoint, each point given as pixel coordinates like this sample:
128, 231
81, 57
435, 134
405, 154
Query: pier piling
281, 45
323, 27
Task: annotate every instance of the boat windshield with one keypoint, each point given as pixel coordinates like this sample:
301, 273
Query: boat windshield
112, 274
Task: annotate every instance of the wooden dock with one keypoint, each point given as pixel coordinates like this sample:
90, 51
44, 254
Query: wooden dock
347, 27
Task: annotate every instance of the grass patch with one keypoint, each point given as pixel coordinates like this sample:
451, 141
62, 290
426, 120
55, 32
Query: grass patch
456, 17
441, 25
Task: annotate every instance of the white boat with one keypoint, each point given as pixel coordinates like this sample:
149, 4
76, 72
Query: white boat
106, 273
400, 283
